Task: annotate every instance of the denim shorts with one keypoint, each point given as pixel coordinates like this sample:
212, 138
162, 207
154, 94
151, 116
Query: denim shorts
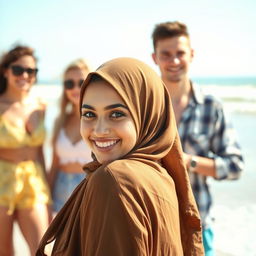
64, 186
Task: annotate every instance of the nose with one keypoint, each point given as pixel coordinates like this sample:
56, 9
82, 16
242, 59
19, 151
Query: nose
25, 75
101, 127
175, 60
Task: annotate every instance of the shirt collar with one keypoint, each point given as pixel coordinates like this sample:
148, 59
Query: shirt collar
197, 94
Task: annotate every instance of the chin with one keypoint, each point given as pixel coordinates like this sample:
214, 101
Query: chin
174, 79
25, 90
105, 160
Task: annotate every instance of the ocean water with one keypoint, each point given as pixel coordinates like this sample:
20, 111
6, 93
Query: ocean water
237, 93
226, 81
234, 201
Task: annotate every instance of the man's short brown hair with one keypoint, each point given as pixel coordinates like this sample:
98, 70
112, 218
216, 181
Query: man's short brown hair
169, 29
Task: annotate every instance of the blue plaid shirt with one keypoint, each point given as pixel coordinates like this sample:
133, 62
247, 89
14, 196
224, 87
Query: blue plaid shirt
204, 131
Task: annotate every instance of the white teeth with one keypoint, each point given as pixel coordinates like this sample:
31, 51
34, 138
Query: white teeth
105, 144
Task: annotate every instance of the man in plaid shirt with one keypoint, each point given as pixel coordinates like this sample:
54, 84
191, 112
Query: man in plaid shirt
208, 139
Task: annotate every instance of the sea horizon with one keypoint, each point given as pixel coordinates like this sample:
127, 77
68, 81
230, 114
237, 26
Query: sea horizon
202, 80
238, 93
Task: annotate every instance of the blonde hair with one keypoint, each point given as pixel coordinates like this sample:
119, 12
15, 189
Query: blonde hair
65, 106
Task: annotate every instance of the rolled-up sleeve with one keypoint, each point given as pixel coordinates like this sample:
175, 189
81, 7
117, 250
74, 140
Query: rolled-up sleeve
226, 150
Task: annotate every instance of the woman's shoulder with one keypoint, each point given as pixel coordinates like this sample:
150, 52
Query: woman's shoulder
37, 108
129, 178
124, 171
113, 171
131, 172
2, 108
36, 103
124, 165
4, 105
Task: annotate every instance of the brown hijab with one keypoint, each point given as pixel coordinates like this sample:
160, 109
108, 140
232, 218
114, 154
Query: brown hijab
150, 106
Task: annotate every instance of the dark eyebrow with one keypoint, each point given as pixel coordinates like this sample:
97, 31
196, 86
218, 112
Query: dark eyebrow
87, 106
164, 52
118, 105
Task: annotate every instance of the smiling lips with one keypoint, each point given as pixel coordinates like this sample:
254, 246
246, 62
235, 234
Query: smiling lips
23, 84
174, 69
76, 95
105, 145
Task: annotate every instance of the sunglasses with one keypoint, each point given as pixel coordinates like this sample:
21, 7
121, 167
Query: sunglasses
19, 70
70, 84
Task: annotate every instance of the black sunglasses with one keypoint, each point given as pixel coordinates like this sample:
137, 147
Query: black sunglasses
70, 84
19, 70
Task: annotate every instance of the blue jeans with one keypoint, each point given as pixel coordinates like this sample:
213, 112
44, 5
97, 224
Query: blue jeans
64, 186
208, 241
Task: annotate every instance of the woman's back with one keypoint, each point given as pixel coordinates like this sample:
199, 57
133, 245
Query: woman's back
135, 205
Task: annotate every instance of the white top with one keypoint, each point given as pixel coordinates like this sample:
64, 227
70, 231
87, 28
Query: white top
69, 152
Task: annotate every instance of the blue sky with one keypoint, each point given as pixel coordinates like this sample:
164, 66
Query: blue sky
222, 32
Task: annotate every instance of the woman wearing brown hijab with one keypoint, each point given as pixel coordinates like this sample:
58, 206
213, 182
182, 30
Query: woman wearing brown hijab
136, 199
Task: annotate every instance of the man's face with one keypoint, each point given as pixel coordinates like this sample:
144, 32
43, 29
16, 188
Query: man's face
173, 56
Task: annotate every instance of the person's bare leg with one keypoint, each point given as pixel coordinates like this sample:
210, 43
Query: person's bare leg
33, 223
6, 232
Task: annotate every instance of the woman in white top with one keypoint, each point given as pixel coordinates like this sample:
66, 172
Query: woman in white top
70, 153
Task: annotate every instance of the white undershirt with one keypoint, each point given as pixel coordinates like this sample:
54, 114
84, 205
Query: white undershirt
71, 153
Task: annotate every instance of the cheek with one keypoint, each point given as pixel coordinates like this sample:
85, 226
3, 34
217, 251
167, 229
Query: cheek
9, 77
67, 94
84, 131
33, 79
187, 59
129, 135
163, 65
8, 74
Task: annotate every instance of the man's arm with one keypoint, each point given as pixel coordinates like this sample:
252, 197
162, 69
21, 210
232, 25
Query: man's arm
225, 159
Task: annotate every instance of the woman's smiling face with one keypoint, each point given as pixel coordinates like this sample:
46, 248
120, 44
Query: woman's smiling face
23, 82
106, 124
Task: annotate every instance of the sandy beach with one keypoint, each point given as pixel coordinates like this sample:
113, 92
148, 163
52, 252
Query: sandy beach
234, 201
